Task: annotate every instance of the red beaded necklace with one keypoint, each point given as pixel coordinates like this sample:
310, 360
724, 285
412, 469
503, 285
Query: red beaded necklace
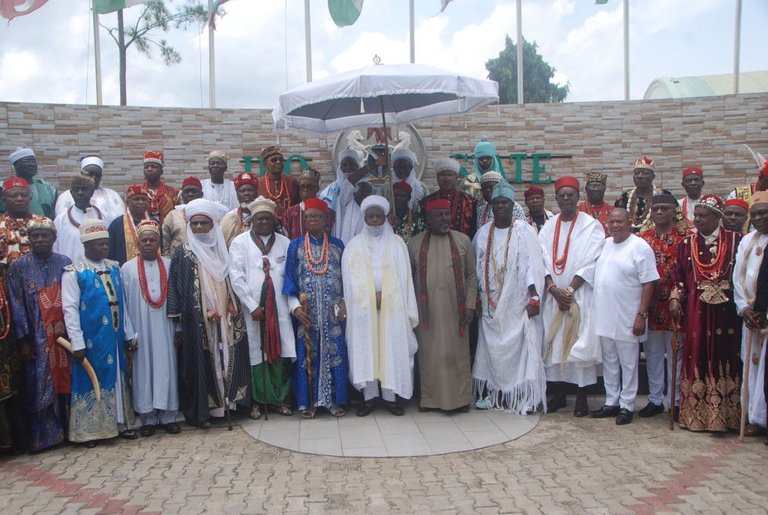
713, 269
324, 257
143, 283
558, 264
76, 224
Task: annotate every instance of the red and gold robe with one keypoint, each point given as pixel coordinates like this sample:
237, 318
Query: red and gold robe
600, 213
710, 374
462, 210
665, 249
285, 194
161, 201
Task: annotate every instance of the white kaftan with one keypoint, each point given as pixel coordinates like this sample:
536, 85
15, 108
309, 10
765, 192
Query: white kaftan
224, 193
68, 234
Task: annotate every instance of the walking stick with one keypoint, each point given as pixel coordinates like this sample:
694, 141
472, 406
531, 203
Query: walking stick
86, 365
262, 330
745, 386
304, 299
673, 386
220, 344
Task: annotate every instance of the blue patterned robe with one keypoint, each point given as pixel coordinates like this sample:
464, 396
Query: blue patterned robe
26, 277
101, 320
328, 345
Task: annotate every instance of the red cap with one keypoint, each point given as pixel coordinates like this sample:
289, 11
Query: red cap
438, 203
402, 186
533, 191
764, 169
154, 156
565, 181
135, 189
315, 203
15, 182
246, 178
693, 170
191, 181
737, 202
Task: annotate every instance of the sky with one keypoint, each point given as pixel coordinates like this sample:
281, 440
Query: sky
47, 56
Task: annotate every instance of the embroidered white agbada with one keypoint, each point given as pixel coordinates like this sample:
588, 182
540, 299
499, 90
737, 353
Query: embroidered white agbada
381, 343
246, 274
109, 201
745, 271
508, 366
580, 365
68, 234
223, 194
154, 362
349, 219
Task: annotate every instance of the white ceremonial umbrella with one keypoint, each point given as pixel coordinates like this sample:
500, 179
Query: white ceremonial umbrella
380, 94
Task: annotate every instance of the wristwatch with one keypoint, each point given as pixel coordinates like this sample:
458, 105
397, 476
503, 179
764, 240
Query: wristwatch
643, 315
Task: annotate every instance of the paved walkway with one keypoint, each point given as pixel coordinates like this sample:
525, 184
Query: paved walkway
565, 465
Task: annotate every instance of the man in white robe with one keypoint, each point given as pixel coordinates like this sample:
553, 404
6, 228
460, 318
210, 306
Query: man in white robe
381, 310
625, 278
569, 355
217, 188
155, 390
258, 255
341, 195
68, 222
750, 256
508, 372
107, 200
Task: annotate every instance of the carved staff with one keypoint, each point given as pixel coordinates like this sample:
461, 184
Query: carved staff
745, 385
304, 299
86, 365
220, 345
673, 386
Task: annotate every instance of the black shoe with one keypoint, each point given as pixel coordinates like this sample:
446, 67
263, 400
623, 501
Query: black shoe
581, 408
624, 417
605, 412
129, 434
365, 410
650, 410
555, 403
205, 424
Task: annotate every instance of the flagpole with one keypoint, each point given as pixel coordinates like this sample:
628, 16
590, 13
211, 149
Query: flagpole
211, 63
520, 99
626, 49
412, 31
737, 48
307, 40
96, 53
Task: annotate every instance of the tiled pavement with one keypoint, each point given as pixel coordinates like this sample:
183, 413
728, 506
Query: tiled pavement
565, 465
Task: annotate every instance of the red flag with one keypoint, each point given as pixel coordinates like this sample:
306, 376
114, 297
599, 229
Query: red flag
9, 11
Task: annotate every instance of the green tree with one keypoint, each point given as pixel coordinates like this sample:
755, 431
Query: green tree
537, 75
155, 15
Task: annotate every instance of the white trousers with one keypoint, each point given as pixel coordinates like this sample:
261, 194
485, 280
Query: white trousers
620, 372
371, 391
756, 411
658, 344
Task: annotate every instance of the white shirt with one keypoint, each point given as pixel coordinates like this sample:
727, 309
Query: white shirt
68, 235
109, 201
620, 273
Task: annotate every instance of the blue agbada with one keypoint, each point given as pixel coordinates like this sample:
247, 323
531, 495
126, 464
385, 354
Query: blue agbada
28, 276
330, 364
101, 320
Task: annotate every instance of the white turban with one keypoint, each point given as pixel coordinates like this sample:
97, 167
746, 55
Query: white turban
201, 206
91, 160
404, 153
20, 153
349, 152
447, 164
375, 201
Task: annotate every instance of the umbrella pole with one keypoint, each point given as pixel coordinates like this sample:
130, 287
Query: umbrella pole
386, 154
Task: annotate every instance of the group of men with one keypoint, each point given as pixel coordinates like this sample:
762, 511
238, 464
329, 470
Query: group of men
265, 293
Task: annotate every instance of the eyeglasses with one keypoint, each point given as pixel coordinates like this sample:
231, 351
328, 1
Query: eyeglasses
277, 159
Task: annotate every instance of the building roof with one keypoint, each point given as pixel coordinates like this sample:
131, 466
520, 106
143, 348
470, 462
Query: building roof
706, 85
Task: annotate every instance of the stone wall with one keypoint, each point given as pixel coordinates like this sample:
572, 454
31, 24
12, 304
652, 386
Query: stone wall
581, 136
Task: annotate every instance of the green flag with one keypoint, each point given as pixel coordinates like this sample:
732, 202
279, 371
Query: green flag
345, 12
110, 6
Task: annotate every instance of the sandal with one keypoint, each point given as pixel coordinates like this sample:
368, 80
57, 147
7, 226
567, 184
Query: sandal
337, 412
147, 431
254, 413
396, 409
282, 410
307, 414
